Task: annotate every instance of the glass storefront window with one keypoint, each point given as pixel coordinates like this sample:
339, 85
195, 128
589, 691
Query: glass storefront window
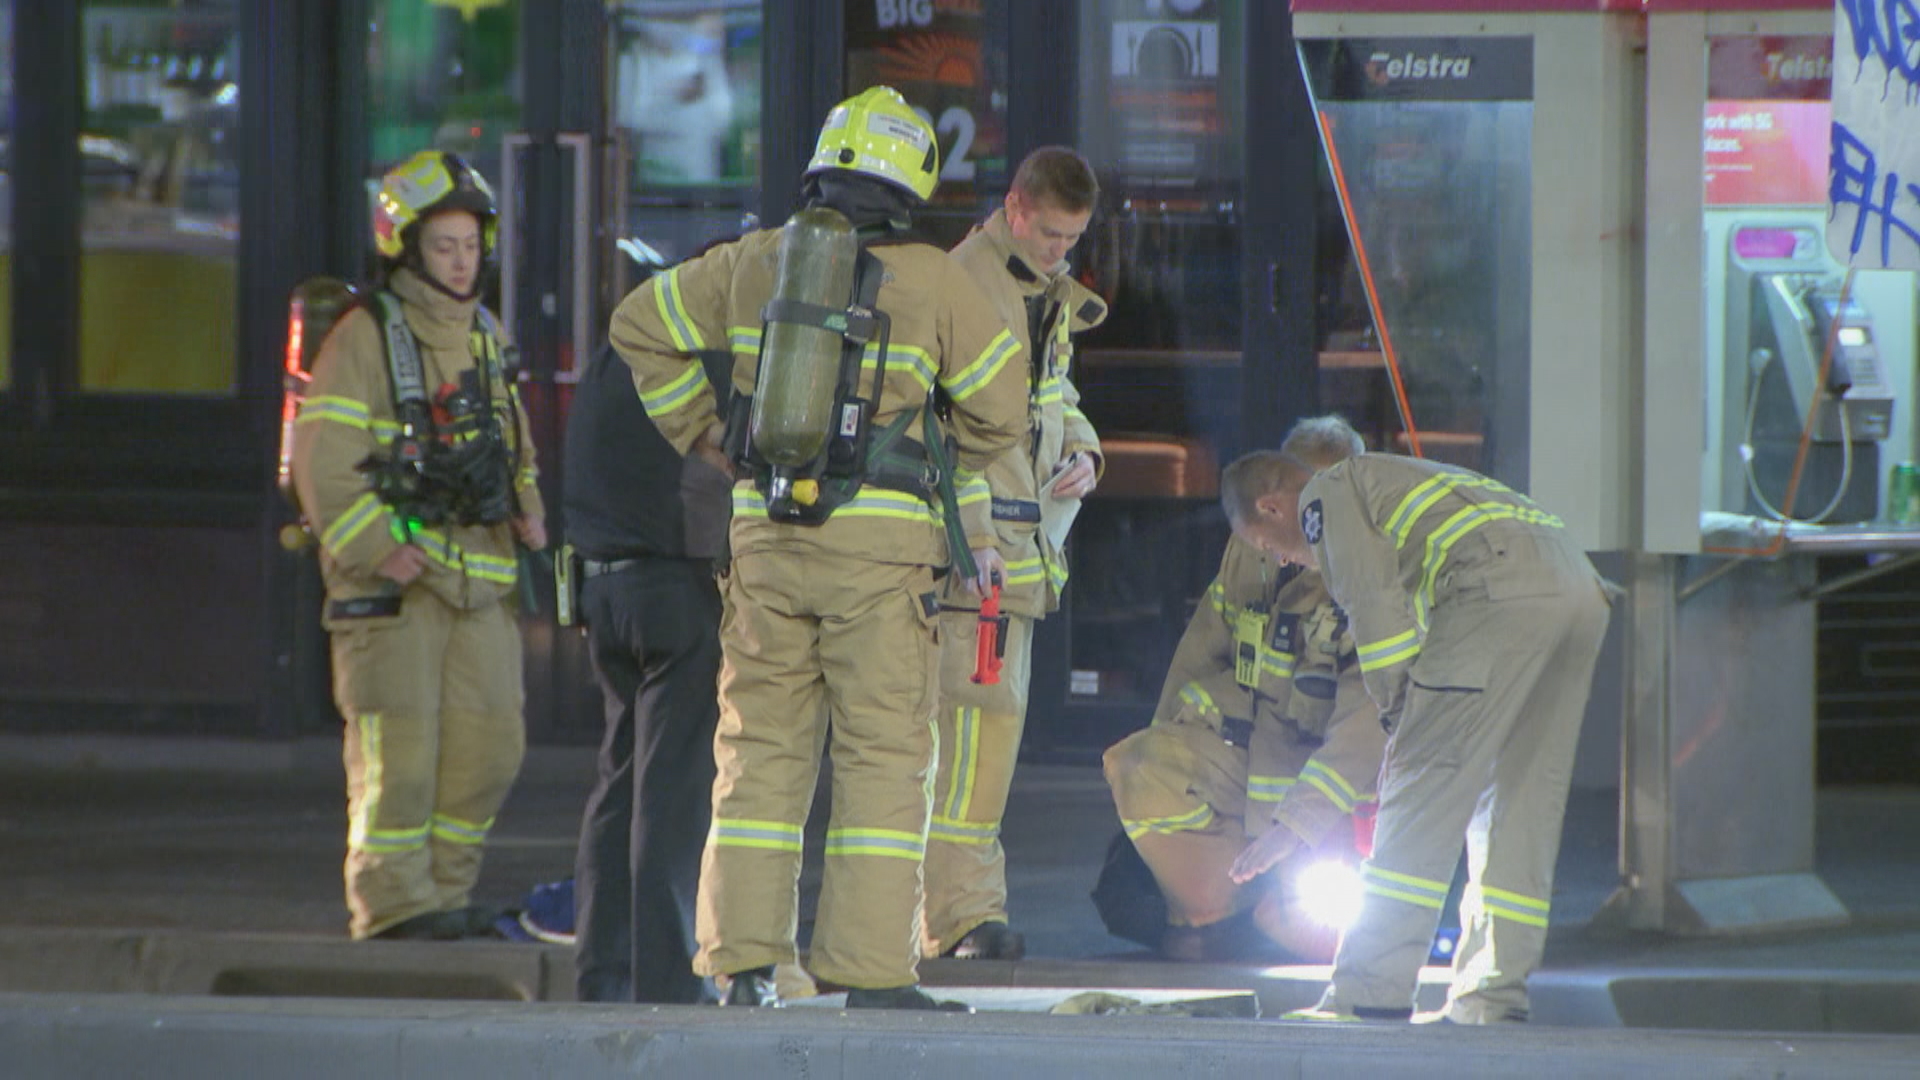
950, 66
1433, 182
685, 106
1159, 116
161, 182
442, 75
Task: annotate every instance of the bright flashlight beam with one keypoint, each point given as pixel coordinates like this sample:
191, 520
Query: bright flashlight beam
1330, 893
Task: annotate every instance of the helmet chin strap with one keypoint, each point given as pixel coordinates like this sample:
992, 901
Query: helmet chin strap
419, 267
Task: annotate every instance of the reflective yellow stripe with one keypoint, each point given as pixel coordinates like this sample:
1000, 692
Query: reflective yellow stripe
1268, 788
965, 763
455, 831
963, 832
745, 340
340, 410
1421, 892
1276, 663
673, 311
968, 382
1385, 654
901, 359
888, 843
1514, 907
361, 835
1331, 784
1050, 391
748, 502
1026, 571
1187, 822
1417, 502
1218, 594
1440, 543
676, 394
1057, 573
365, 510
1196, 695
746, 833
1075, 412
973, 492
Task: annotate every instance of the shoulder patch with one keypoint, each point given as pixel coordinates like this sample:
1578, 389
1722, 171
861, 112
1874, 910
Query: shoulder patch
1313, 522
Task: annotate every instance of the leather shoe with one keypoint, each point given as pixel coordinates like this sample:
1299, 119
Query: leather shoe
902, 997
753, 988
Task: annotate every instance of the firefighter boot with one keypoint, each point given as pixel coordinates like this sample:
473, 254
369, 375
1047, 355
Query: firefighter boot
902, 997
990, 941
753, 987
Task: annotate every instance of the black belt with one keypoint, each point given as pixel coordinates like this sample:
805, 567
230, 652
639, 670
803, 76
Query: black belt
594, 567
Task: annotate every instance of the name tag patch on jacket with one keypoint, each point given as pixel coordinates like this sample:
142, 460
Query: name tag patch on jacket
1016, 510
365, 607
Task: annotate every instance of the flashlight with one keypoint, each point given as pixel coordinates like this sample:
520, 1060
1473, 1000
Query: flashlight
1329, 893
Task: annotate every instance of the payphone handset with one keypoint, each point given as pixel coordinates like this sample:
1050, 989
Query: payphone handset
1794, 316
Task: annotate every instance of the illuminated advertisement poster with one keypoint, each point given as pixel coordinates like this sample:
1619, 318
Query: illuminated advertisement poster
938, 54
1767, 124
1165, 97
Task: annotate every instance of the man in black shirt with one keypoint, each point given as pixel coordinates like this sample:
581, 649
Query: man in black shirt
646, 525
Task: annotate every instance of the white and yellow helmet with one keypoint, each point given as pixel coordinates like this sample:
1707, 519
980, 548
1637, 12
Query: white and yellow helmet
426, 184
877, 134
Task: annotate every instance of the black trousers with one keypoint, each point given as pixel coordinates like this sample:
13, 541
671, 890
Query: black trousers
654, 637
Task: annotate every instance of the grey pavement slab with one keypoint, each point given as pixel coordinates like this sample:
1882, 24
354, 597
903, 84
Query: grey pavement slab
85, 1036
168, 867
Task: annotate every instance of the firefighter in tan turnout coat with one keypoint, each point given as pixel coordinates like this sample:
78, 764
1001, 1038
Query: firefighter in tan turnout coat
1478, 623
426, 656
1263, 726
837, 617
1019, 258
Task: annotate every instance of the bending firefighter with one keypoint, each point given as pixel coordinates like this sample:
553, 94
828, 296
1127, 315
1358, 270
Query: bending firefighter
414, 468
848, 336
1019, 259
1477, 622
1264, 737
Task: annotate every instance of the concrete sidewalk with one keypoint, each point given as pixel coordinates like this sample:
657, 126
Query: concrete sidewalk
205, 879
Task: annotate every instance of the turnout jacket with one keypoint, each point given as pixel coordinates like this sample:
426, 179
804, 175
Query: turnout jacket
348, 415
1310, 762
1398, 538
944, 335
1044, 308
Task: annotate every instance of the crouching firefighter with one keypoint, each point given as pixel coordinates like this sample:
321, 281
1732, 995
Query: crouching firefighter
413, 468
1263, 748
848, 335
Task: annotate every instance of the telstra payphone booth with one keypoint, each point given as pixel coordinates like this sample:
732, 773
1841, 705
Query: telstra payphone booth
1575, 301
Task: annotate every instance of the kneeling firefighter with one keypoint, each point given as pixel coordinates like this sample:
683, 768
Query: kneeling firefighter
1264, 739
849, 335
412, 465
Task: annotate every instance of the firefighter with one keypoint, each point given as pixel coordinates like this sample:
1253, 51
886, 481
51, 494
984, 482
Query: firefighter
831, 603
1264, 729
1019, 258
414, 466
1477, 623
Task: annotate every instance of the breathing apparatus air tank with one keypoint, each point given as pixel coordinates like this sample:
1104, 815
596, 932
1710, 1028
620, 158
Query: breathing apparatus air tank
799, 376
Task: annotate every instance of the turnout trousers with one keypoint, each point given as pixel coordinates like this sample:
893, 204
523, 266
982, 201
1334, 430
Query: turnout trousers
434, 737
653, 632
814, 642
1483, 748
980, 729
